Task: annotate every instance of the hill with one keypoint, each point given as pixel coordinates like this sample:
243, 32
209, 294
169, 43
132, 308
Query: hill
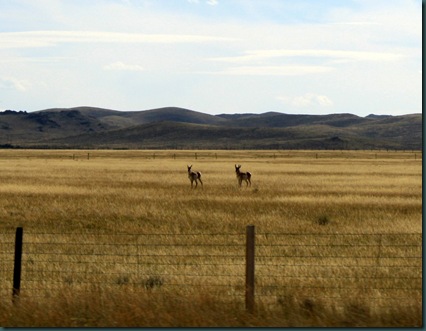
178, 128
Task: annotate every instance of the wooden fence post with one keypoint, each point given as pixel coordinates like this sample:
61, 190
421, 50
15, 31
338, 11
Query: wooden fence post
17, 264
250, 268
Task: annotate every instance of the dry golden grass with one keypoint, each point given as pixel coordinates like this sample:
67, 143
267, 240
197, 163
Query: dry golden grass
114, 308
104, 204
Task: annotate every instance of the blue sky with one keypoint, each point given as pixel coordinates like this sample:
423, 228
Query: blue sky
213, 56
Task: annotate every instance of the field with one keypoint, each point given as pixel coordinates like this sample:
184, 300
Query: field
85, 206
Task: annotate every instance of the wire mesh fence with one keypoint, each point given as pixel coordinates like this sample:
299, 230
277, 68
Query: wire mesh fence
385, 269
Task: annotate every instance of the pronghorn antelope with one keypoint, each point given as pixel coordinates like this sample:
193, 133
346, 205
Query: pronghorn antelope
242, 175
194, 176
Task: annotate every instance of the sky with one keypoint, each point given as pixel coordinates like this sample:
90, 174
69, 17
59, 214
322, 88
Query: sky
214, 56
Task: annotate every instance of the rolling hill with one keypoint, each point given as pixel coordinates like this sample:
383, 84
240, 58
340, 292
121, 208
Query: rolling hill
178, 128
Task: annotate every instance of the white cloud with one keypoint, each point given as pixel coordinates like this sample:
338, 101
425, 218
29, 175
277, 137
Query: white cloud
34, 60
212, 2
49, 38
307, 100
339, 55
209, 2
291, 70
120, 66
359, 23
14, 83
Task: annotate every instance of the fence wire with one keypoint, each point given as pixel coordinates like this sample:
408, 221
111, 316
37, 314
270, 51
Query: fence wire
385, 269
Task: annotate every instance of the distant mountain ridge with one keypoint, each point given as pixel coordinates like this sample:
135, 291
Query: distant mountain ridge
173, 127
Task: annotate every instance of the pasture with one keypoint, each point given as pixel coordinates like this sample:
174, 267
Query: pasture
115, 198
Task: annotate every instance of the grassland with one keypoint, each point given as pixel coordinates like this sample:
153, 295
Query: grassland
82, 195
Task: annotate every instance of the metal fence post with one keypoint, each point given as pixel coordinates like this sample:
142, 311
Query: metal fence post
250, 268
17, 264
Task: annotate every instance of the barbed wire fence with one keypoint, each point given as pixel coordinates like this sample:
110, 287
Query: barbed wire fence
385, 269
87, 155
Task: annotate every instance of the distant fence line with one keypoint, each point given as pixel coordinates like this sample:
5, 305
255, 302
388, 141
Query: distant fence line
214, 154
251, 267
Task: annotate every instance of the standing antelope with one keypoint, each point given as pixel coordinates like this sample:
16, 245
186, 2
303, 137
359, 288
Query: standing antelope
194, 176
242, 175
